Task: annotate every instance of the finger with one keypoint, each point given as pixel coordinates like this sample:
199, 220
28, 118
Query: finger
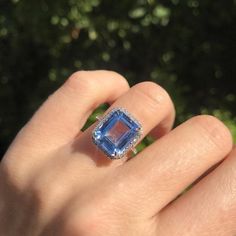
62, 116
163, 128
165, 168
148, 103
209, 208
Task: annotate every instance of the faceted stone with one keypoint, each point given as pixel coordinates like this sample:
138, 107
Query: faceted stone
116, 133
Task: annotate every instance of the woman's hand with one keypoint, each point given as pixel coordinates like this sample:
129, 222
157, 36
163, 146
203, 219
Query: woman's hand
54, 181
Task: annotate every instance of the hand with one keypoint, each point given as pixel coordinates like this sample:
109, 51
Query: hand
54, 181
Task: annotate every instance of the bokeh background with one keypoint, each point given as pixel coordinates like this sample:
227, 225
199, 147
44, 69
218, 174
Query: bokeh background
187, 46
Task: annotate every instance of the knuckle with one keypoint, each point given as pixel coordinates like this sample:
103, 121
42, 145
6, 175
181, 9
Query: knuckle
80, 81
40, 196
153, 93
116, 75
11, 176
87, 225
45, 195
78, 75
90, 80
119, 80
214, 130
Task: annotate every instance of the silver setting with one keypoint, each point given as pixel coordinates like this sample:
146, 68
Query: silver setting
98, 117
134, 150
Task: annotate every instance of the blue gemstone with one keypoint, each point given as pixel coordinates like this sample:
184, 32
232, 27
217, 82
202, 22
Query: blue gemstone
116, 132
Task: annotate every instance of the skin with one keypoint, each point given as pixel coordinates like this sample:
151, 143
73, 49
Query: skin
54, 181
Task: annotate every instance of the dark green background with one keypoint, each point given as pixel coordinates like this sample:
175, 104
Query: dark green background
187, 46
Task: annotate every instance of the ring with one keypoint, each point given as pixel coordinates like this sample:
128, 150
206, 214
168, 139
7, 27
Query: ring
117, 133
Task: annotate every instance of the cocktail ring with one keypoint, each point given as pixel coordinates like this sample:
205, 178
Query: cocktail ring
117, 133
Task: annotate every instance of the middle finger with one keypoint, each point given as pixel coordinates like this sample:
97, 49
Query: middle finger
148, 103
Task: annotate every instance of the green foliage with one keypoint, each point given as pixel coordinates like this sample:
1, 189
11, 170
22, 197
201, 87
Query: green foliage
186, 46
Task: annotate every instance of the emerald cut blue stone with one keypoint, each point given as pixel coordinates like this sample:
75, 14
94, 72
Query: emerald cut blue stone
116, 133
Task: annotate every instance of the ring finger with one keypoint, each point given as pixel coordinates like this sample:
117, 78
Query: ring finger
148, 103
